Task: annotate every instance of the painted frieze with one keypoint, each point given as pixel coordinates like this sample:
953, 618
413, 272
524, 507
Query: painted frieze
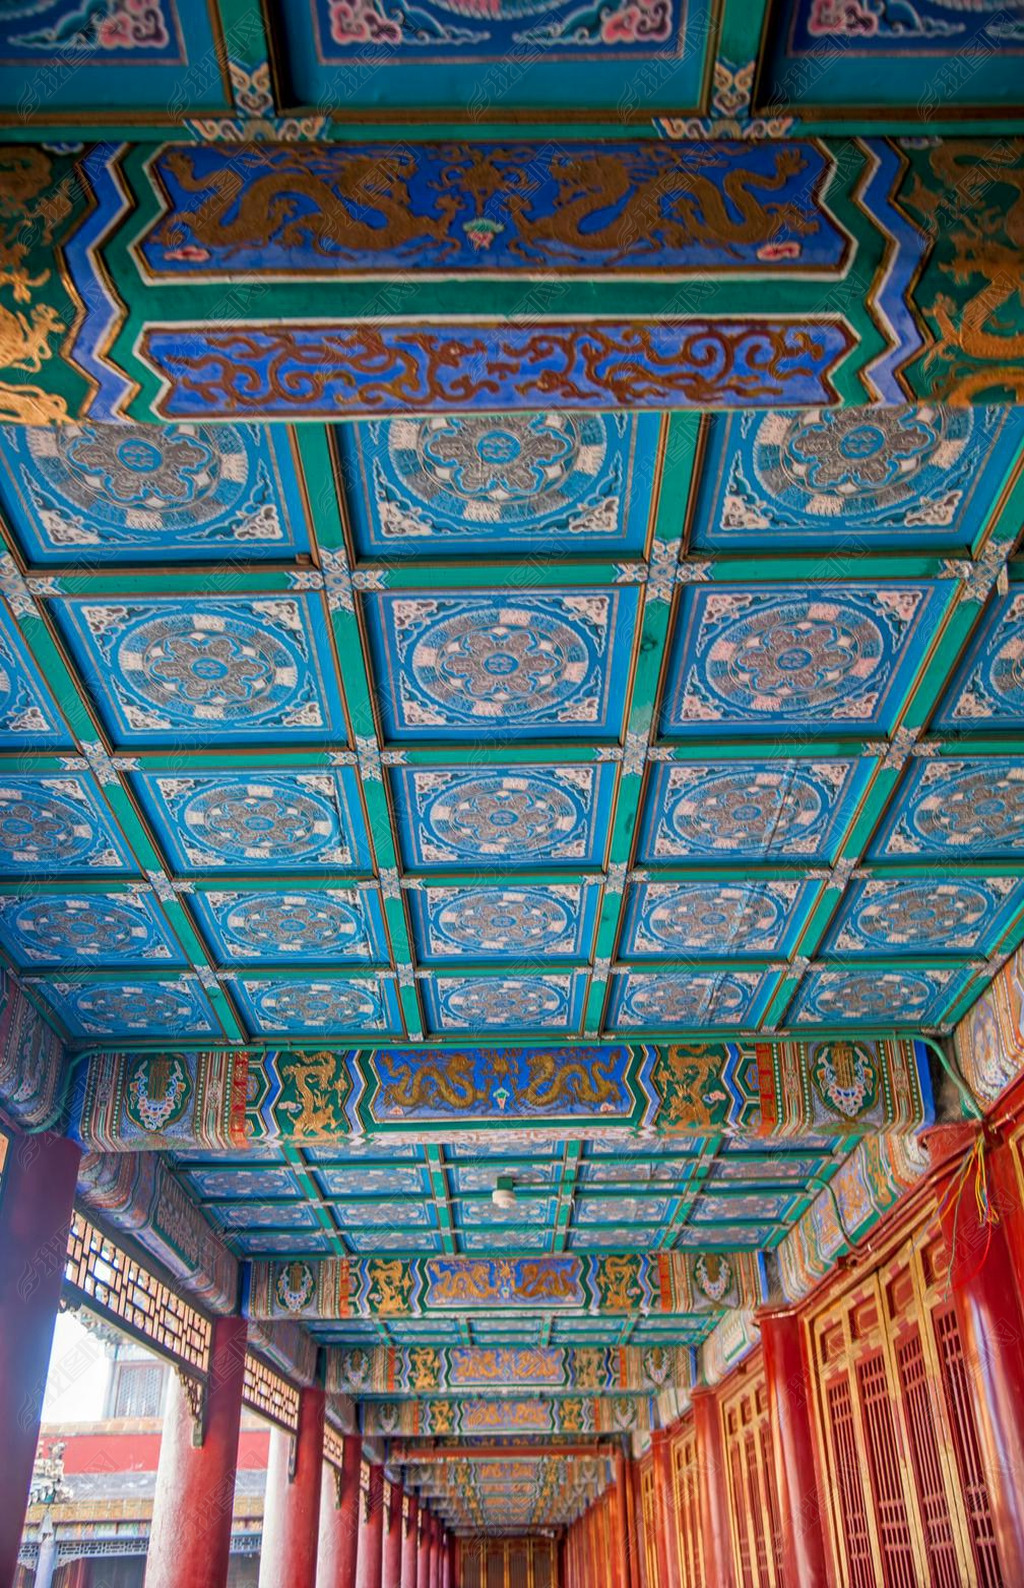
990, 1037
482, 1418
484, 1370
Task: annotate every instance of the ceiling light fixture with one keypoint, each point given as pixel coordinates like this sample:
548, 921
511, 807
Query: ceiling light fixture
504, 1193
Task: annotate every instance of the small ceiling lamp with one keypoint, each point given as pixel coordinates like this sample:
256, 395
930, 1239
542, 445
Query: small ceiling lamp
504, 1193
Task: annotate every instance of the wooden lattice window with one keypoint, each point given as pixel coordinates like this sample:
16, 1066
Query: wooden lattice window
931, 1489
649, 1518
884, 1467
269, 1395
101, 1273
754, 1504
687, 1507
960, 1412
852, 1509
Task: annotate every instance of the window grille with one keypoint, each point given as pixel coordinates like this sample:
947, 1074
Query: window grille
650, 1524
138, 1389
960, 1410
931, 1490
100, 1273
269, 1395
740, 1515
884, 1467
334, 1446
852, 1508
687, 1508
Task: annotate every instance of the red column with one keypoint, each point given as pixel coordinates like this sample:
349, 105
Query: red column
35, 1212
435, 1553
410, 1541
371, 1533
190, 1540
801, 1513
668, 1548
291, 1510
339, 1519
621, 1515
716, 1545
991, 1320
423, 1551
392, 1575
449, 1562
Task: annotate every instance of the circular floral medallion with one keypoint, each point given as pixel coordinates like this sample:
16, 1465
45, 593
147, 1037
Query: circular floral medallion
746, 810
138, 1006
711, 915
893, 995
218, 667
50, 928
932, 913
41, 827
303, 923
314, 1006
487, 920
267, 821
972, 807
685, 1001
499, 458
506, 1002
487, 662
145, 476
850, 459
503, 815
795, 656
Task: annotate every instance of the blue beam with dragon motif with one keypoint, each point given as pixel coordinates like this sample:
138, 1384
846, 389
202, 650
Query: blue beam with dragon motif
386, 1371
671, 1283
536, 1415
322, 280
231, 1100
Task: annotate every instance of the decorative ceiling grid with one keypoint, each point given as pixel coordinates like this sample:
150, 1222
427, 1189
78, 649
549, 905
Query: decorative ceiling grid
613, 787
307, 69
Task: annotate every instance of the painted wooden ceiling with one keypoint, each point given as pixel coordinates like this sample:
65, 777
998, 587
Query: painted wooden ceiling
505, 727
314, 65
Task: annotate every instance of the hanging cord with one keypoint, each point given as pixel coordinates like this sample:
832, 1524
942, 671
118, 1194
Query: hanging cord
967, 1097
826, 1185
972, 1176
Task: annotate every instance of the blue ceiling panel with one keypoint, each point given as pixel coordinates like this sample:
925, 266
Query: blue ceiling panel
549, 921
99, 929
522, 667
321, 1007
878, 996
767, 661
225, 670
568, 484
237, 822
709, 919
516, 816
28, 713
293, 926
513, 1004
750, 810
844, 480
688, 1000
926, 915
122, 1008
955, 808
987, 690
57, 824
151, 494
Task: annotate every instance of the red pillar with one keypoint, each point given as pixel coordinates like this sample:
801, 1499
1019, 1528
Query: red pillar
339, 1519
291, 1510
190, 1539
668, 1549
991, 1320
435, 1553
371, 1533
410, 1541
423, 1551
801, 1513
716, 1546
449, 1561
392, 1574
621, 1515
35, 1212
